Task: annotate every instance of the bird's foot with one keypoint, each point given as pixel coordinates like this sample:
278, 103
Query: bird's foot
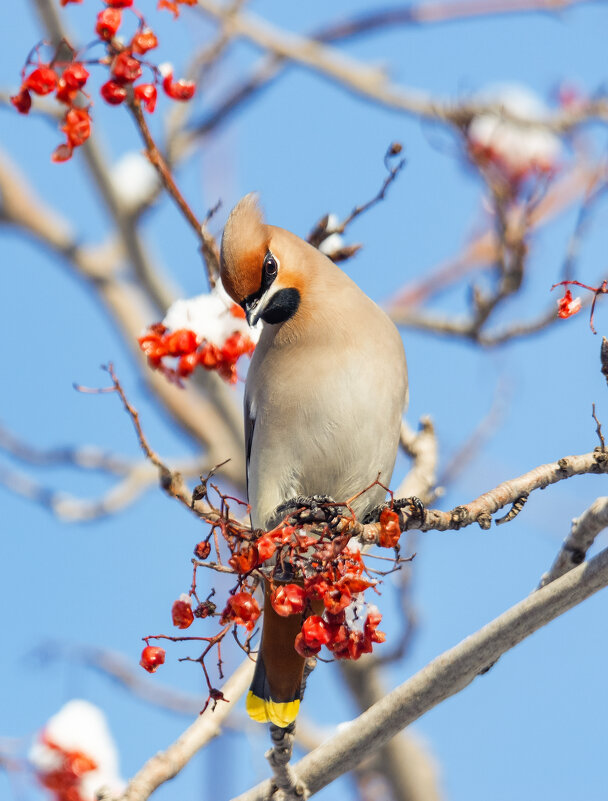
416, 509
308, 509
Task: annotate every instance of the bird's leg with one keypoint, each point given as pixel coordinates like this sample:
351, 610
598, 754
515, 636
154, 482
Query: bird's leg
416, 509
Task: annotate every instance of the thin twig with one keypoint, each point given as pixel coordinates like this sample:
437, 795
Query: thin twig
209, 248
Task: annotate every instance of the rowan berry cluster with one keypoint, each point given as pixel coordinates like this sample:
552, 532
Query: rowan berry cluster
190, 351
66, 74
311, 569
65, 777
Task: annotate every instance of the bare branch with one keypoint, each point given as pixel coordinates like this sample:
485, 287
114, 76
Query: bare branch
84, 457
582, 536
421, 447
373, 84
167, 764
209, 248
269, 67
442, 678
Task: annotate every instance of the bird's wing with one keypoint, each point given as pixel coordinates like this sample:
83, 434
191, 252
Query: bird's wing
249, 426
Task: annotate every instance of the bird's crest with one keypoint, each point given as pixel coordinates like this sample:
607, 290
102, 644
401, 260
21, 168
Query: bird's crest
244, 245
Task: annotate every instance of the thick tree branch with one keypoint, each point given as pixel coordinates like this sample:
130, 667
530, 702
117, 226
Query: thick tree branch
445, 676
582, 536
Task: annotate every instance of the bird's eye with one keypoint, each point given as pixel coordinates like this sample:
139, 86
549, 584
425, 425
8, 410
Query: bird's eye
270, 266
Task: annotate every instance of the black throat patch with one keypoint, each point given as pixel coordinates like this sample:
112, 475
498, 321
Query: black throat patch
282, 306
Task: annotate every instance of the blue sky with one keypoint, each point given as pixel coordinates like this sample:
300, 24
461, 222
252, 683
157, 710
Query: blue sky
533, 726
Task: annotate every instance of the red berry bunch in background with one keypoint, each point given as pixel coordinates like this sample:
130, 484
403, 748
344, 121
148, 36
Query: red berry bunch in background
65, 74
216, 340
64, 781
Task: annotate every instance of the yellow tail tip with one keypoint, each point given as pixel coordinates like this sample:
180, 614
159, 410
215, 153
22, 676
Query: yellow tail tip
281, 713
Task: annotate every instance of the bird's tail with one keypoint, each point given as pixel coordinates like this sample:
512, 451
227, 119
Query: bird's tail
276, 689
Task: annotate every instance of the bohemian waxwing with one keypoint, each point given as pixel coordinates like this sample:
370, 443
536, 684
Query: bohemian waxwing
325, 392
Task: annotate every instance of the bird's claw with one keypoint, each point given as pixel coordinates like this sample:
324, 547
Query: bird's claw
416, 509
308, 509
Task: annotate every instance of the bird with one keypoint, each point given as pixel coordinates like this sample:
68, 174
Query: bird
324, 397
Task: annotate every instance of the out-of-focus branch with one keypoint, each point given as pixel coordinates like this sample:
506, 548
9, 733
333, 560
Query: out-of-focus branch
373, 84
442, 678
167, 764
421, 446
485, 251
158, 287
214, 421
408, 766
269, 67
139, 477
582, 536
84, 457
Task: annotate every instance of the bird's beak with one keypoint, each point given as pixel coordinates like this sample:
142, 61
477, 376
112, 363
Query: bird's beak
253, 310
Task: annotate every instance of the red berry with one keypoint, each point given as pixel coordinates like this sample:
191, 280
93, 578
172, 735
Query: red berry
178, 90
42, 80
181, 342
75, 75
108, 22
143, 41
62, 153
77, 126
315, 632
146, 92
241, 608
113, 93
182, 614
125, 68
64, 93
202, 550
389, 529
152, 658
22, 101
288, 599
265, 547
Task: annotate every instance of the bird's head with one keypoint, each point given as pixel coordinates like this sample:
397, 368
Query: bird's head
254, 265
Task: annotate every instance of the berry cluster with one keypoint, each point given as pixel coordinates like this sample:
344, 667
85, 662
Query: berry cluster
192, 351
64, 779
311, 570
66, 75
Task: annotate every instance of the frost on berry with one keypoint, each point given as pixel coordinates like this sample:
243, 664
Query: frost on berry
181, 612
515, 151
567, 306
177, 90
